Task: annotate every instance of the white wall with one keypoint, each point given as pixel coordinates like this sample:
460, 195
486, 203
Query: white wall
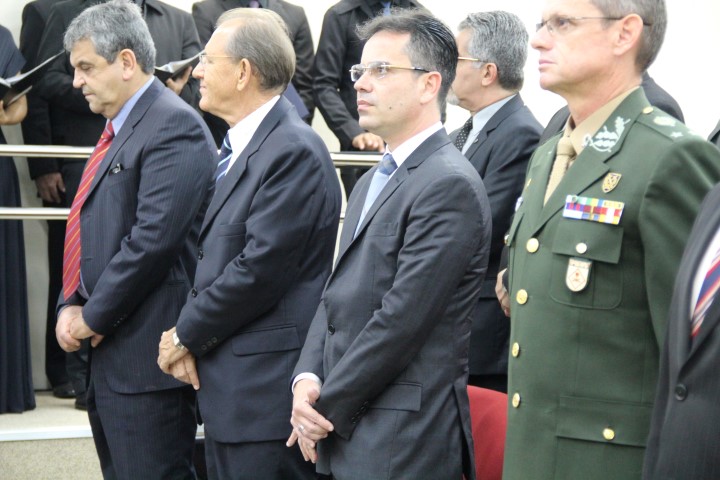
686, 68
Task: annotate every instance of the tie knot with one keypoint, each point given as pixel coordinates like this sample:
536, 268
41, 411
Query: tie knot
387, 165
108, 133
565, 147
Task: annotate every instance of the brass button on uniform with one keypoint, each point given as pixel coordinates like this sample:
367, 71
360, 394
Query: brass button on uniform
516, 349
506, 238
532, 245
581, 248
516, 400
609, 434
522, 297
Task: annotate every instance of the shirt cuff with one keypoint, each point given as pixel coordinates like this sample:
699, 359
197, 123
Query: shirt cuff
304, 376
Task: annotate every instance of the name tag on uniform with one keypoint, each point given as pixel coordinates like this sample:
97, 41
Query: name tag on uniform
578, 273
593, 209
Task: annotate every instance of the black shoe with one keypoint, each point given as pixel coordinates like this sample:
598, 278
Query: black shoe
81, 402
64, 391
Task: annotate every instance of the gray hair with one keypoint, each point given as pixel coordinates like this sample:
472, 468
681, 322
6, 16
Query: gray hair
431, 46
501, 38
654, 16
112, 27
264, 41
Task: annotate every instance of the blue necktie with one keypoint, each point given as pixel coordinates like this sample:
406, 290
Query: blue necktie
225, 156
386, 8
380, 178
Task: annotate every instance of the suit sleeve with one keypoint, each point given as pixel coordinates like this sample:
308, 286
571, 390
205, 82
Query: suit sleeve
284, 211
304, 57
204, 24
328, 70
176, 170
446, 217
672, 200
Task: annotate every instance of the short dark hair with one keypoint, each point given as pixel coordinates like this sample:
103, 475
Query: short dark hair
432, 45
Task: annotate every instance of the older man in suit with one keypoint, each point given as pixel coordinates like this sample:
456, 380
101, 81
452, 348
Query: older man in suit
385, 363
266, 247
685, 425
130, 244
498, 139
67, 120
595, 245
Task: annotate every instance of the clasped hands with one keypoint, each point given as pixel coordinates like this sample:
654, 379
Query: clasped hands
309, 427
179, 363
71, 329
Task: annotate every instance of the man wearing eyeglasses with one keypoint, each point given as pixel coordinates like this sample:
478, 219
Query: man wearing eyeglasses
594, 246
384, 367
498, 139
265, 252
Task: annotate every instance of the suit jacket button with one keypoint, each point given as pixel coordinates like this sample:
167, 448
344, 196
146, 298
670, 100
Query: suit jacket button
200, 254
203, 347
331, 329
681, 392
193, 292
213, 339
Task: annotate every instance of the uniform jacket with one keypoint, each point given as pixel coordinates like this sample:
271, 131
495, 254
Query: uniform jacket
590, 299
500, 153
685, 425
390, 337
139, 227
339, 49
265, 252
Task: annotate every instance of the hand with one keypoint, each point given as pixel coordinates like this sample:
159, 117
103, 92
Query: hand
62, 328
50, 187
308, 425
502, 293
168, 353
177, 84
368, 141
185, 371
80, 330
14, 113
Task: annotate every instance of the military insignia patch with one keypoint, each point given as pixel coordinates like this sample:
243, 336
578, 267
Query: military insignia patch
593, 209
611, 181
605, 140
578, 273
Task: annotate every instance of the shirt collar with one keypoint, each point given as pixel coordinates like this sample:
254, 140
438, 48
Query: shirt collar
243, 131
481, 118
124, 112
404, 150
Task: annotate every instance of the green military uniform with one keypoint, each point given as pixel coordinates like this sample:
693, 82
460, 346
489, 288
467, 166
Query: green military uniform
591, 275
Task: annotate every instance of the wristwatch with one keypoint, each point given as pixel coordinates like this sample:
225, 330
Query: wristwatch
177, 342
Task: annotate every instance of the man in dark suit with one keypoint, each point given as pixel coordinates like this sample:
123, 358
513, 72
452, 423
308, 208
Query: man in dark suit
594, 246
385, 362
685, 425
265, 252
36, 131
130, 245
69, 121
498, 139
206, 13
339, 49
656, 95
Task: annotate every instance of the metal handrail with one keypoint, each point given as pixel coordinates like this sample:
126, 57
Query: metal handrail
340, 159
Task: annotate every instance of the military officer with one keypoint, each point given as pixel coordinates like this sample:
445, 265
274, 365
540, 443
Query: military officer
595, 245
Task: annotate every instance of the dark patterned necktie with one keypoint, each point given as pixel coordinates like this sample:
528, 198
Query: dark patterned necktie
225, 156
462, 135
73, 249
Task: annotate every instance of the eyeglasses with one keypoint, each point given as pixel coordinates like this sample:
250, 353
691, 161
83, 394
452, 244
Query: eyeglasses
204, 58
378, 70
561, 25
470, 59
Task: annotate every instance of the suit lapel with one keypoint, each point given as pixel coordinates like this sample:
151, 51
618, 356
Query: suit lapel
136, 114
591, 164
228, 183
513, 105
433, 143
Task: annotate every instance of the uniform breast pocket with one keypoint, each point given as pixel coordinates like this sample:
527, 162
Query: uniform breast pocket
586, 267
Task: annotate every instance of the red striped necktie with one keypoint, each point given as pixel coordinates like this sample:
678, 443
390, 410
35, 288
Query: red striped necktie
707, 295
71, 255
